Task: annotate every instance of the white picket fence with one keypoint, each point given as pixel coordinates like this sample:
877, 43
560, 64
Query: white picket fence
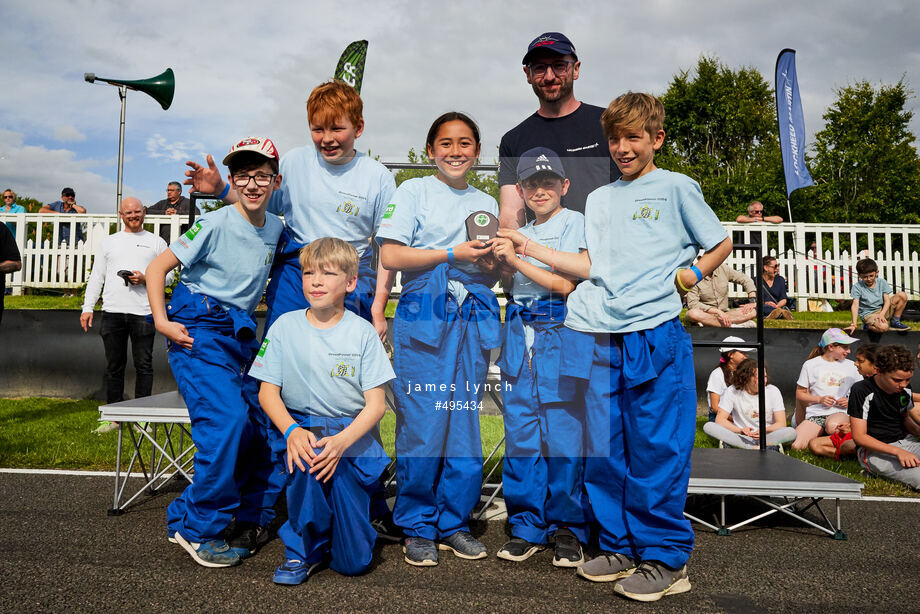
52, 264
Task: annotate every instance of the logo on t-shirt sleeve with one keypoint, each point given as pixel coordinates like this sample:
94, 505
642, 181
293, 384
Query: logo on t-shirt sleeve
388, 212
192, 232
262, 349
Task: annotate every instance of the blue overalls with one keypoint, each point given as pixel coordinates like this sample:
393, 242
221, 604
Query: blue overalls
333, 517
443, 348
222, 402
641, 424
285, 290
543, 475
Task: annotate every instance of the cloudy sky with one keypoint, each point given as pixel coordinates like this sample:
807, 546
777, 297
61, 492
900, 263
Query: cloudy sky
246, 68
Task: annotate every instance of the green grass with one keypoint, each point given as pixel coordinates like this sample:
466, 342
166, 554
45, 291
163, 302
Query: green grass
39, 433
803, 319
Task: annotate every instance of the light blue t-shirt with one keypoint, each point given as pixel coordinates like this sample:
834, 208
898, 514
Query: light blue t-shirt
564, 232
639, 233
227, 258
870, 299
426, 213
322, 372
318, 199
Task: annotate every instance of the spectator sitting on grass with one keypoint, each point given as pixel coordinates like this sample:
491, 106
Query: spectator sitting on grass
775, 298
738, 420
707, 301
878, 409
874, 301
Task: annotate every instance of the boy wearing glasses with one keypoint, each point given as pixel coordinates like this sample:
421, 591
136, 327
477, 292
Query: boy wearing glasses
226, 257
562, 123
874, 301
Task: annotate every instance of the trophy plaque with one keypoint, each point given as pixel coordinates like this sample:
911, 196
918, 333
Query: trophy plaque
481, 226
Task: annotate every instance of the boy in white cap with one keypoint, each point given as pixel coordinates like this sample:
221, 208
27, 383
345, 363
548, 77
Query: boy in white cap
226, 257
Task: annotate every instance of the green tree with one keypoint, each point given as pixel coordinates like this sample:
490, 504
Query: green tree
865, 163
720, 127
485, 181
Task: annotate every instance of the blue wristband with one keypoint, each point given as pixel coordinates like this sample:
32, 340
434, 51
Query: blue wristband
450, 255
223, 194
699, 273
287, 433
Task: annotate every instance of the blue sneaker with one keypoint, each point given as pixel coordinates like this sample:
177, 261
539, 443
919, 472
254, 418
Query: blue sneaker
214, 553
293, 572
464, 545
897, 324
420, 552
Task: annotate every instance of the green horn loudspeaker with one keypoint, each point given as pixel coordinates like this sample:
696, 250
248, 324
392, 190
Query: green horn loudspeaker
161, 88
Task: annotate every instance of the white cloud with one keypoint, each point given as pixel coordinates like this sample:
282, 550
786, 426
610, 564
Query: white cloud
68, 133
423, 59
159, 146
41, 173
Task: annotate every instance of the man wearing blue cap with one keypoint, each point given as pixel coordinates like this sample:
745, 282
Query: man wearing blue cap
562, 123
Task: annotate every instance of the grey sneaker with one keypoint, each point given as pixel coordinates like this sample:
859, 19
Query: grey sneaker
464, 545
652, 581
566, 549
518, 550
607, 567
420, 552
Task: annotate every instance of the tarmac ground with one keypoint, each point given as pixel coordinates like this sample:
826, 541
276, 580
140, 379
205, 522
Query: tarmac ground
61, 552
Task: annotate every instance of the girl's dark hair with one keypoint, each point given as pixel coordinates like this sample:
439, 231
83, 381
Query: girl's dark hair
724, 360
744, 371
451, 116
868, 351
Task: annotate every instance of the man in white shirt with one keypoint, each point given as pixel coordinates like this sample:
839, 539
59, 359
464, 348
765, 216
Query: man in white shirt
118, 274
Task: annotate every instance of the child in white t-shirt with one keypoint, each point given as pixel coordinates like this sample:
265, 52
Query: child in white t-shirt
823, 386
729, 358
738, 419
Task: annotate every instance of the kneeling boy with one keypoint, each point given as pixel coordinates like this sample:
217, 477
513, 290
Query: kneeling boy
226, 257
323, 371
878, 408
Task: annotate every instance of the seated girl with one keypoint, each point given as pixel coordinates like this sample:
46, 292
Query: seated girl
738, 419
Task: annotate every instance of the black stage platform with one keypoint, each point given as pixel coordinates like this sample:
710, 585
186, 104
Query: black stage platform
763, 477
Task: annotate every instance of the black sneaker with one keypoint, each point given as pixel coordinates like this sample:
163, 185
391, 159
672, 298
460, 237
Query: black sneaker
519, 550
566, 549
247, 538
387, 529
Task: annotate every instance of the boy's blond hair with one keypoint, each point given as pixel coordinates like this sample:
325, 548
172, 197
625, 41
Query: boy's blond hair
329, 252
633, 111
334, 99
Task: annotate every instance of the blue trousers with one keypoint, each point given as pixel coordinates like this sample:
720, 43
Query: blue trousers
543, 472
438, 451
640, 438
334, 517
219, 399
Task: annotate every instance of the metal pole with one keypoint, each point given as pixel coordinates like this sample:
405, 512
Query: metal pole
123, 94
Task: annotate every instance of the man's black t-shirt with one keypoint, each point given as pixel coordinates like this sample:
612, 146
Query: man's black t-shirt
8, 251
577, 139
883, 412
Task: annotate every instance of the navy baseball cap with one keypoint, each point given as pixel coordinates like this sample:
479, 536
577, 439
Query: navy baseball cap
551, 41
539, 160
